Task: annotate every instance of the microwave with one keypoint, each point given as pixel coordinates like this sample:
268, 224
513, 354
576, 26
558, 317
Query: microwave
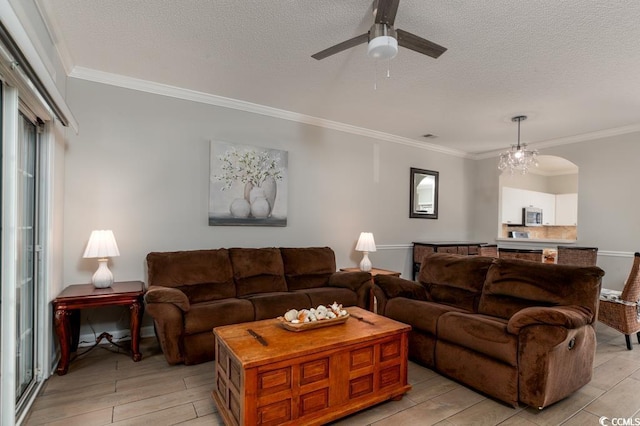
532, 216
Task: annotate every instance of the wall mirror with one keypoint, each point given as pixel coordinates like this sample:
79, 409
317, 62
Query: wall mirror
423, 194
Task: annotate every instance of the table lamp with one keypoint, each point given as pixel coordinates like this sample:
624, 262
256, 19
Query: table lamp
102, 245
366, 244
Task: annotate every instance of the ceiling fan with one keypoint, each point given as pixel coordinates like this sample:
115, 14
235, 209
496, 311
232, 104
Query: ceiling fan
383, 39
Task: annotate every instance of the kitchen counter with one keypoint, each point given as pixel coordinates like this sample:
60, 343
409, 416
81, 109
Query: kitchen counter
537, 240
533, 243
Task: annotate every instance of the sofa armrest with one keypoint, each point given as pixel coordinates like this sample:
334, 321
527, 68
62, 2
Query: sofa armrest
399, 287
570, 317
351, 280
159, 294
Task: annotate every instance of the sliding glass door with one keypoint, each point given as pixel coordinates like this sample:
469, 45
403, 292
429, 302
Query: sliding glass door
27, 265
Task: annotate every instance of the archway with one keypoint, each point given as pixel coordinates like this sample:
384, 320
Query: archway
552, 187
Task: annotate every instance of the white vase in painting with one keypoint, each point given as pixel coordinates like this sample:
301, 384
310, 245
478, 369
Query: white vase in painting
240, 208
270, 188
260, 207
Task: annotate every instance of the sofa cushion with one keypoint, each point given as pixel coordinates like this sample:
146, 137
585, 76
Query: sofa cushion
203, 317
201, 275
273, 305
512, 285
308, 267
257, 270
480, 333
422, 316
453, 279
328, 295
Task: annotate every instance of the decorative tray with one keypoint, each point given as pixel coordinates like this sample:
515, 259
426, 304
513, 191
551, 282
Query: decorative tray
303, 326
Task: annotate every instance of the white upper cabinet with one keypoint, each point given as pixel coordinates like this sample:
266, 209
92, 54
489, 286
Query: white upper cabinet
566, 209
559, 210
547, 202
513, 200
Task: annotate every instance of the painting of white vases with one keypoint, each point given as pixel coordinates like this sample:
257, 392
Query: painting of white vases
247, 185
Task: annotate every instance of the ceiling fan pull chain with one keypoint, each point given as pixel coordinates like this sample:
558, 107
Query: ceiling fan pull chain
375, 75
388, 68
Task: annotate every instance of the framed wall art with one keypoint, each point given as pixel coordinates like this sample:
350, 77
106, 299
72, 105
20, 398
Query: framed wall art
247, 185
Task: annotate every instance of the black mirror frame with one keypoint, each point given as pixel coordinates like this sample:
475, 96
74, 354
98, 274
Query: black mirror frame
412, 193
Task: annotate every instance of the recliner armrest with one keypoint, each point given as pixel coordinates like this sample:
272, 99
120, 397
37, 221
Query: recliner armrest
570, 317
350, 280
399, 287
159, 294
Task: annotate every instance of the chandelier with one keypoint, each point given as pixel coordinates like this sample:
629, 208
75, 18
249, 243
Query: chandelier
518, 158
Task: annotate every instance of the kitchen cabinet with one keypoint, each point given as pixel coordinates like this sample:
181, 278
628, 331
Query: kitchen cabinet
513, 200
547, 202
566, 209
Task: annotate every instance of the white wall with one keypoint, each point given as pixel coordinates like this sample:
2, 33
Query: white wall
607, 205
140, 166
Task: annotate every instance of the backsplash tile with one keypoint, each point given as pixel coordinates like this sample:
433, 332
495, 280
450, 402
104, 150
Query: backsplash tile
544, 232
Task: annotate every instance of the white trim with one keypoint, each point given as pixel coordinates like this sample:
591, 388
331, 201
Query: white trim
394, 247
22, 39
53, 28
118, 336
585, 137
9, 254
607, 253
209, 99
117, 80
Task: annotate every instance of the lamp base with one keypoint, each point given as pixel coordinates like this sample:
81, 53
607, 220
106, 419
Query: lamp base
365, 263
103, 278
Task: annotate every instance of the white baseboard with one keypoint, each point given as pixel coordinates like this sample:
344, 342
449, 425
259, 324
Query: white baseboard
118, 336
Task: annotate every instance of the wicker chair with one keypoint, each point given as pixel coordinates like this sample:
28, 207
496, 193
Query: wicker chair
531, 255
579, 256
621, 310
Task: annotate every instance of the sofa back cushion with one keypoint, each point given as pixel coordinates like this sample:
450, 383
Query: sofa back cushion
202, 275
308, 267
454, 280
512, 285
257, 270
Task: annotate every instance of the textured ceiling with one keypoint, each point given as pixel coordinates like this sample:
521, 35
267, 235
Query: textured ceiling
572, 66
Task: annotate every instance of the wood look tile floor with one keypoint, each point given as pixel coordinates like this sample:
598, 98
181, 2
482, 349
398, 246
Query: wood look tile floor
104, 387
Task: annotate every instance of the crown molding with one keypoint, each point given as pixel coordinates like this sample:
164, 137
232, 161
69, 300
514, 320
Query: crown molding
53, 28
585, 137
209, 99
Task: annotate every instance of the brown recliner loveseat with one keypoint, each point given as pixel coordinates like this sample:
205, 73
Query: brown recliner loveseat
191, 292
519, 331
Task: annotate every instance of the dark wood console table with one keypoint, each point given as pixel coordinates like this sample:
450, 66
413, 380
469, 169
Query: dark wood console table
67, 306
421, 249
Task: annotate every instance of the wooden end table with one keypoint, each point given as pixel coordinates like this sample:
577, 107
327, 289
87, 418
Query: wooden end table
71, 300
373, 272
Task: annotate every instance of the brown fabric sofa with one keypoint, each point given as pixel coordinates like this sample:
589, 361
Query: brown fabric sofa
191, 292
516, 330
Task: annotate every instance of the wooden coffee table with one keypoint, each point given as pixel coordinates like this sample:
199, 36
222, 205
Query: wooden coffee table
308, 377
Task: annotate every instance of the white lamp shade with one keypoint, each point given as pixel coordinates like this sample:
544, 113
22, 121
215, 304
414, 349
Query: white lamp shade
101, 244
366, 242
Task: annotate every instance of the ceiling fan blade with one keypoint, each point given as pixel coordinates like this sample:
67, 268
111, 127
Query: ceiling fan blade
419, 44
385, 11
363, 38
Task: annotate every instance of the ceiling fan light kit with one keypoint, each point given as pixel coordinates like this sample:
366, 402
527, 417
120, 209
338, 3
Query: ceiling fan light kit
383, 39
382, 42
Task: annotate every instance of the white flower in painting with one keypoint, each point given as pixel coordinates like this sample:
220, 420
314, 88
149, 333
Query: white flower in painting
248, 166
